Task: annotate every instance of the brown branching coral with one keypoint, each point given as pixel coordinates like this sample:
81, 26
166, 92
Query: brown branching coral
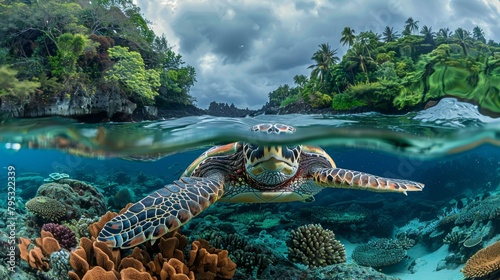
483, 263
314, 246
47, 208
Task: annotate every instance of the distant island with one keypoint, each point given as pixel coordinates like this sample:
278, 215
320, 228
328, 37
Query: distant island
99, 61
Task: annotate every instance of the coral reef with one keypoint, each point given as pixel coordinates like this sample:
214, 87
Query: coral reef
94, 258
37, 257
62, 233
162, 260
484, 263
81, 226
487, 209
381, 252
46, 208
59, 266
122, 198
340, 271
251, 258
314, 246
78, 198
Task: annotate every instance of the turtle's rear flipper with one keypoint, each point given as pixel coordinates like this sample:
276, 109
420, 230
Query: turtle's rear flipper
349, 179
160, 212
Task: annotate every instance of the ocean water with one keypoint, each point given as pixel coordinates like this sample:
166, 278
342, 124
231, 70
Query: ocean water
451, 148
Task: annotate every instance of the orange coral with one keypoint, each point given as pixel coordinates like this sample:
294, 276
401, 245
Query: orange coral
486, 261
209, 263
99, 273
37, 260
23, 248
38, 257
205, 262
47, 242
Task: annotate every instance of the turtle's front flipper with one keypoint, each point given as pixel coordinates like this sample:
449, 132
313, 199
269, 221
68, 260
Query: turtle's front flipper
162, 211
349, 179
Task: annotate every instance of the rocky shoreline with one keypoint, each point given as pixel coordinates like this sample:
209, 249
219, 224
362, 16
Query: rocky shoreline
105, 107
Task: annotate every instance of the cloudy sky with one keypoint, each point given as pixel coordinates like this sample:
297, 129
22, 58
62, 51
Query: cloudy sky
243, 49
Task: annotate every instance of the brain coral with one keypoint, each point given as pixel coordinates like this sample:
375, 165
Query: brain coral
485, 262
312, 245
47, 208
77, 197
380, 252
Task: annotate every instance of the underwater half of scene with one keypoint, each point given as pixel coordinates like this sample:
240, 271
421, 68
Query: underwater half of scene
69, 175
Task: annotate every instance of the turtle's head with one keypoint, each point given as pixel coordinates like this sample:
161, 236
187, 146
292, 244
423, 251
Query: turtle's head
271, 165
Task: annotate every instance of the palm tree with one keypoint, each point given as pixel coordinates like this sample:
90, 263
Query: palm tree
462, 37
478, 34
428, 34
324, 58
358, 57
348, 37
367, 41
411, 25
300, 81
445, 34
389, 34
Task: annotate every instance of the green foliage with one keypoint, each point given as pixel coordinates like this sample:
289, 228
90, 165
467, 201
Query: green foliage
406, 70
12, 87
346, 101
407, 98
68, 41
175, 84
130, 71
69, 49
320, 100
291, 99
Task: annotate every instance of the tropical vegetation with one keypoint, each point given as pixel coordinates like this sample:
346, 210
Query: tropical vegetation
54, 49
395, 71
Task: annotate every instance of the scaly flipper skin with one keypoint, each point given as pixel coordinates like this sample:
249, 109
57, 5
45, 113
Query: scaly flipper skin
162, 211
349, 179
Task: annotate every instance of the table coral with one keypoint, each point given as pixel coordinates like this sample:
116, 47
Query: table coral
47, 208
314, 246
483, 263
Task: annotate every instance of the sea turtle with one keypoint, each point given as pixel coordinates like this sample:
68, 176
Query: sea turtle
240, 172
